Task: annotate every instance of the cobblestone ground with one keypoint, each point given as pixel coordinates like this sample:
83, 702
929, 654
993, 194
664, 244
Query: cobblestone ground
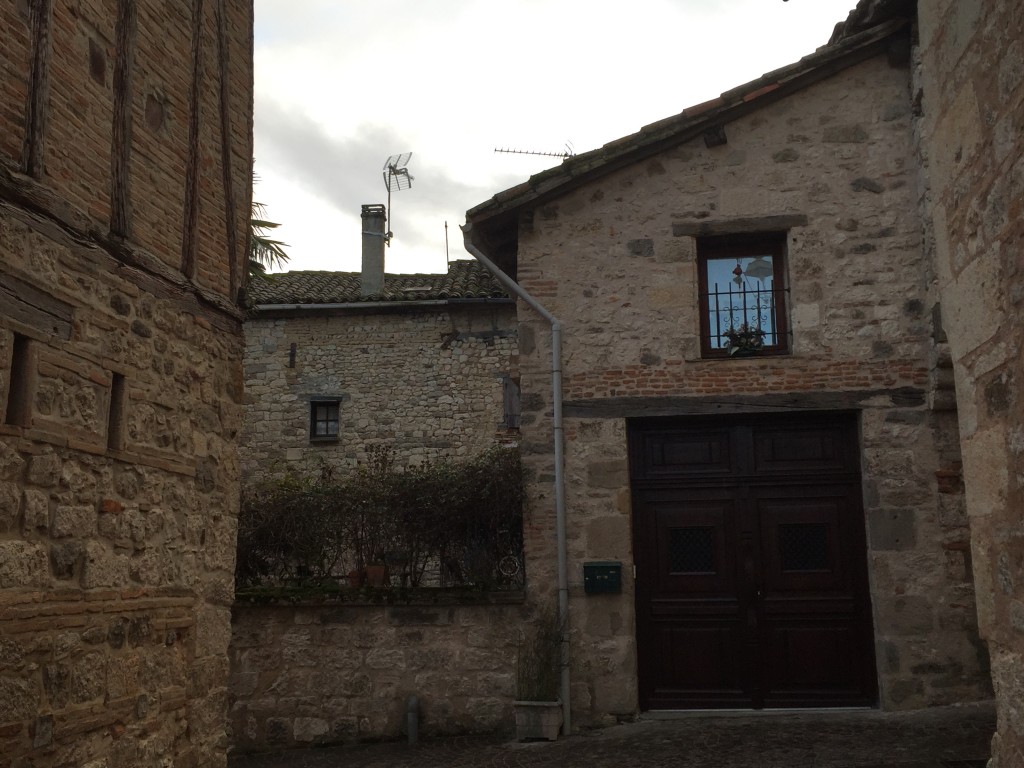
946, 737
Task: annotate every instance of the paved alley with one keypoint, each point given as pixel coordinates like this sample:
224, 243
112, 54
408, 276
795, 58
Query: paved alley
945, 737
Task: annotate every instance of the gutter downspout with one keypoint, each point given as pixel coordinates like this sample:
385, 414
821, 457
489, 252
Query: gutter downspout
556, 398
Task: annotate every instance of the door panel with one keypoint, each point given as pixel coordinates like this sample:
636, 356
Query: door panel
694, 617
673, 453
796, 448
800, 531
751, 570
695, 547
811, 666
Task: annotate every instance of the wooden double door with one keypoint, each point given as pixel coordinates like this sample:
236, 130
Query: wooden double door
751, 575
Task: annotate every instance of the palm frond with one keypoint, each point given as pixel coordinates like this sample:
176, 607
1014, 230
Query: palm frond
264, 252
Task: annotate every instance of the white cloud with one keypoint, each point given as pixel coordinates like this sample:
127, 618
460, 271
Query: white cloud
342, 85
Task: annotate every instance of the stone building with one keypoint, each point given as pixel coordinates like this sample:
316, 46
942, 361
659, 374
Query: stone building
425, 364
969, 83
125, 162
336, 364
795, 511
759, 419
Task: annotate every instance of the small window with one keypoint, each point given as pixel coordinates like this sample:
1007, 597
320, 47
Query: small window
116, 414
19, 395
323, 420
511, 404
743, 295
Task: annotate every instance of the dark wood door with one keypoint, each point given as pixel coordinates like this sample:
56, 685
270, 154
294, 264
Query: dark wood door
751, 585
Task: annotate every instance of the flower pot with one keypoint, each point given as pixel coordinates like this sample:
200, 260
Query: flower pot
537, 719
376, 575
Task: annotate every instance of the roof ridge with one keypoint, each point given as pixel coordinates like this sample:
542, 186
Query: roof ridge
694, 119
468, 280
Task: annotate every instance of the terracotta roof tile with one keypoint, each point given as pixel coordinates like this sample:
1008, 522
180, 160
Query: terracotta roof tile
760, 91
704, 106
465, 279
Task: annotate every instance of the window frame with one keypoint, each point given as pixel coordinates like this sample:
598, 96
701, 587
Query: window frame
314, 403
511, 398
745, 246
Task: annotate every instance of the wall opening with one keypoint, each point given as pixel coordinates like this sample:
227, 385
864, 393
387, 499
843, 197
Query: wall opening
18, 410
115, 416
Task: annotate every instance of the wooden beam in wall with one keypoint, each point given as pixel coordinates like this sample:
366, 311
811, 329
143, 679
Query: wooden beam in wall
230, 204
44, 212
121, 135
38, 106
190, 226
34, 308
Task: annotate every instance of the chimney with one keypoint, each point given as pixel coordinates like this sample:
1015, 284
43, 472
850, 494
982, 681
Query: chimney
371, 281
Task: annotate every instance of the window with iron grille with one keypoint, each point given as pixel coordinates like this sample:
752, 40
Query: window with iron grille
324, 420
743, 295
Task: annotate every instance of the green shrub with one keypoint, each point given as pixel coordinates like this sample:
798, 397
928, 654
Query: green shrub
442, 523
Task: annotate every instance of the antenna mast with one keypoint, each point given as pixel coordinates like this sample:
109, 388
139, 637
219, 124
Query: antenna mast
566, 153
396, 177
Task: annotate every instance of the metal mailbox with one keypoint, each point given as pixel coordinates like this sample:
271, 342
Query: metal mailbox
602, 578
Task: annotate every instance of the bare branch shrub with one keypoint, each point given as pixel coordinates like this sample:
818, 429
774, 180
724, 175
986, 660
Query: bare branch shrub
440, 523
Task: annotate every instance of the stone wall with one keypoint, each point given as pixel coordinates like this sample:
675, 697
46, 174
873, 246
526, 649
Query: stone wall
120, 376
309, 675
615, 261
427, 381
972, 125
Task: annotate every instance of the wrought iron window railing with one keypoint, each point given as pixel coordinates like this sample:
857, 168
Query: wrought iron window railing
744, 320
742, 283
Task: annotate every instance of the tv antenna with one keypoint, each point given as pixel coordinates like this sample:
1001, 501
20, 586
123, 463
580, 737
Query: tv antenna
396, 177
566, 153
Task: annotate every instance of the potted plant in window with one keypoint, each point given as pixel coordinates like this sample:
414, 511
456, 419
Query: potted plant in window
744, 339
538, 709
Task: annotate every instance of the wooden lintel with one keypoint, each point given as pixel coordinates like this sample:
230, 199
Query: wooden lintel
738, 226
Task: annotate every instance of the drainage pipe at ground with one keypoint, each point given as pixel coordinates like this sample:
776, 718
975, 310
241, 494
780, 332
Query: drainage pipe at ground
556, 403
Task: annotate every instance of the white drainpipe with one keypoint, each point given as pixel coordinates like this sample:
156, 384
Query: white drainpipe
556, 397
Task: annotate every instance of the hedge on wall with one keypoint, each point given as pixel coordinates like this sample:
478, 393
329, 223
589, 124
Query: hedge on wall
442, 523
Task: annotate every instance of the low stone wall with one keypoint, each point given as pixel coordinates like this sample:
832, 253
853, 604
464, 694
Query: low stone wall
341, 672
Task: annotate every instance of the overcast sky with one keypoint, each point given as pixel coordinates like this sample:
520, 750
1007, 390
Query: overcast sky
341, 85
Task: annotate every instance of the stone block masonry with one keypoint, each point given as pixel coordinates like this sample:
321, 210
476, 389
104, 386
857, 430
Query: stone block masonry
120, 376
427, 381
970, 87
616, 260
305, 675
